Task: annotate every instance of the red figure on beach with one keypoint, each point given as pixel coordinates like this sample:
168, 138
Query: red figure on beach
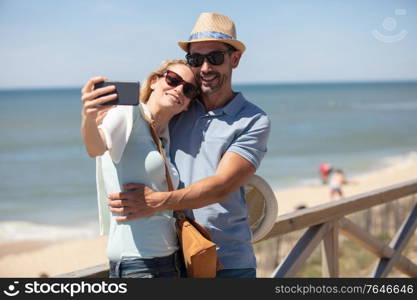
325, 170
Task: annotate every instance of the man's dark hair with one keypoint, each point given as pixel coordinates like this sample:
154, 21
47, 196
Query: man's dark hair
230, 47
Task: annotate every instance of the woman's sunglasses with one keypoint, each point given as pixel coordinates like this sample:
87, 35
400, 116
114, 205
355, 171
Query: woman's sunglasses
174, 80
215, 58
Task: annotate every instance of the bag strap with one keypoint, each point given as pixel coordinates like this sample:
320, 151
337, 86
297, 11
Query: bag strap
152, 126
157, 141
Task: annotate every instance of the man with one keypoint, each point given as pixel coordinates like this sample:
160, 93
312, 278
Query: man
216, 145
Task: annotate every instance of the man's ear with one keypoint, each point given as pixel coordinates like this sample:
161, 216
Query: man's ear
235, 58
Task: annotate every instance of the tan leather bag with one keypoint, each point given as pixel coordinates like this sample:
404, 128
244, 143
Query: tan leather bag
199, 251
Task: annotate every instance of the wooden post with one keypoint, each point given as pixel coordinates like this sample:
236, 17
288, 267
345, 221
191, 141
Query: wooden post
368, 218
301, 251
398, 243
330, 252
374, 245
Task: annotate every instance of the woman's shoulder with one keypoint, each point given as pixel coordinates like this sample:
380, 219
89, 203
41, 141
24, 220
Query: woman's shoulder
120, 111
130, 113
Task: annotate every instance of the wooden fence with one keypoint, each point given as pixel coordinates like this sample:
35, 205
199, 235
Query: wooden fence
323, 224
357, 218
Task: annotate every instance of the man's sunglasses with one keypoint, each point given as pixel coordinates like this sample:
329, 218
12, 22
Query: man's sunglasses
215, 58
174, 80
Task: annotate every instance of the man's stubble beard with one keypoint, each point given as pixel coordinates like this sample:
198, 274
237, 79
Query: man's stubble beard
212, 89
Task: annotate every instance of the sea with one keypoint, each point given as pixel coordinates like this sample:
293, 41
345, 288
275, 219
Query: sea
47, 186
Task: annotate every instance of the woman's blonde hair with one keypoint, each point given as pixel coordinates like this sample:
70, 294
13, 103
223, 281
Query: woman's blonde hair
146, 91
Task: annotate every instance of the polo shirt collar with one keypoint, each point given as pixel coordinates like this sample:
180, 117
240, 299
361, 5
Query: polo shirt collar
231, 108
235, 105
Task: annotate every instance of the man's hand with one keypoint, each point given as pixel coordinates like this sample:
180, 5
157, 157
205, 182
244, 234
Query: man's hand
137, 202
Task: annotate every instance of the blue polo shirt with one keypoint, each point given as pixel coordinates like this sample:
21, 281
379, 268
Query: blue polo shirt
199, 140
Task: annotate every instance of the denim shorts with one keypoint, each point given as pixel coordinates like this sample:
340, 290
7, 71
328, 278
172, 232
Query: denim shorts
159, 267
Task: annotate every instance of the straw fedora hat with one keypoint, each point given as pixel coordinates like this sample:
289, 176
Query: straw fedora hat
213, 27
262, 207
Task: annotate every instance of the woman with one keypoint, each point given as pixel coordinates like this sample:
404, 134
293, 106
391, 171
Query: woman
125, 151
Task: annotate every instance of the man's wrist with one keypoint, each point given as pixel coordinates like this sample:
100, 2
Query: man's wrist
167, 201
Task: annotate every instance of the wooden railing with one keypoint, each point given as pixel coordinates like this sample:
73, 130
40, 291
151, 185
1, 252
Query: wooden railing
324, 223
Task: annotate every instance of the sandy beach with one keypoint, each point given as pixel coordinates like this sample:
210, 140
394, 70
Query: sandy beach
291, 199
51, 258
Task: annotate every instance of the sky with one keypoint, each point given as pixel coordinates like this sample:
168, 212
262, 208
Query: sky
63, 43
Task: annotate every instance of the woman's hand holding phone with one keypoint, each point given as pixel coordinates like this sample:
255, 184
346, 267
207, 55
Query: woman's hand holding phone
93, 113
98, 97
93, 99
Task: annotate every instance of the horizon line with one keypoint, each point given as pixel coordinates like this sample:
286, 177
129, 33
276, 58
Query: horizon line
311, 82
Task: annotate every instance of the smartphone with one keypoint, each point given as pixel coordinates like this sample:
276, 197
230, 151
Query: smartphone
127, 92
